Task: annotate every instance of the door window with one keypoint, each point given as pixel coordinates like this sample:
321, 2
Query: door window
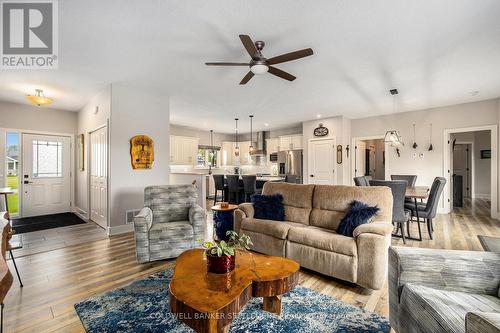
47, 159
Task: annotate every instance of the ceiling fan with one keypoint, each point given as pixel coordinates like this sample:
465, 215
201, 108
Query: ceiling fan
259, 64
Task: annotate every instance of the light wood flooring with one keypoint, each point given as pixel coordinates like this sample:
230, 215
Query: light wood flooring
57, 279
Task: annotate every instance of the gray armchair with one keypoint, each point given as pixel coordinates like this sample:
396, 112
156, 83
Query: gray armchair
444, 290
170, 222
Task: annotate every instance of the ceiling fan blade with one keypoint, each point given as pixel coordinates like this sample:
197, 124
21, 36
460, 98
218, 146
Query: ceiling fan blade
250, 46
290, 56
247, 78
226, 64
281, 74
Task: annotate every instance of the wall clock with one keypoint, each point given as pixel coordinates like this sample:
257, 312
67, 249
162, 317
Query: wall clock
142, 152
320, 130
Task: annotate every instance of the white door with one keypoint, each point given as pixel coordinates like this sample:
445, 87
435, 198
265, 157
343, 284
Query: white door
46, 183
99, 176
360, 169
321, 162
461, 166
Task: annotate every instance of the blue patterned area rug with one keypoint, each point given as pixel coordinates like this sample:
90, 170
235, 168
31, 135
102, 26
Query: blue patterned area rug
143, 306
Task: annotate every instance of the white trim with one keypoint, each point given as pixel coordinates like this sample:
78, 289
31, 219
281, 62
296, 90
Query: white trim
472, 167
446, 207
353, 154
481, 196
120, 229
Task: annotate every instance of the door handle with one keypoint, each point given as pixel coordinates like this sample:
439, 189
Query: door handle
311, 175
27, 182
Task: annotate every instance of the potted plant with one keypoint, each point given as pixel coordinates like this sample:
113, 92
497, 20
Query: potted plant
221, 255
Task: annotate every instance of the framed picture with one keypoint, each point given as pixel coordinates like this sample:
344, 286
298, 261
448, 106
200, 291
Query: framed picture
81, 151
485, 154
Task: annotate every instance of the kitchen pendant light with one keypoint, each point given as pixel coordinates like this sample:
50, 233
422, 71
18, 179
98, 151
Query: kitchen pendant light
236, 148
251, 135
39, 98
392, 137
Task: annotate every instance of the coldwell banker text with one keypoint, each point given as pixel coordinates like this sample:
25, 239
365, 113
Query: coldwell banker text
29, 34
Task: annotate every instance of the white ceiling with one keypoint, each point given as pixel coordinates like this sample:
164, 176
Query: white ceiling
436, 52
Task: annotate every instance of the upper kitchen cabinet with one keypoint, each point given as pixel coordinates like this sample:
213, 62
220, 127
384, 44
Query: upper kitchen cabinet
245, 157
183, 150
272, 145
227, 154
290, 142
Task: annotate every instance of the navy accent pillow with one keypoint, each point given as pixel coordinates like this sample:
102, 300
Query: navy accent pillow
358, 213
268, 207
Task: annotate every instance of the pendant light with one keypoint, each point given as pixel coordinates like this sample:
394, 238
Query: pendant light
212, 153
39, 98
251, 135
237, 147
393, 137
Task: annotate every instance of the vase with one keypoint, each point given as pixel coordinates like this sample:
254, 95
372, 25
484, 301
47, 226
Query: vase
219, 265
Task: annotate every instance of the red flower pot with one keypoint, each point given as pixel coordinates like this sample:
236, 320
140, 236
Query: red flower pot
219, 265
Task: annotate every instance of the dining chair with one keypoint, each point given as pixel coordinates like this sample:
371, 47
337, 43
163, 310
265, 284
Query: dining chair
411, 179
234, 188
291, 179
428, 210
249, 186
219, 186
361, 181
400, 215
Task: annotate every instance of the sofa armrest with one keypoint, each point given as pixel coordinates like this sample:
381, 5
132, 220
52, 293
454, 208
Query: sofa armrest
198, 218
467, 271
142, 223
379, 228
245, 210
482, 322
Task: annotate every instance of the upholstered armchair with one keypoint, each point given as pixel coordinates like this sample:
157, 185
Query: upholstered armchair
170, 222
444, 290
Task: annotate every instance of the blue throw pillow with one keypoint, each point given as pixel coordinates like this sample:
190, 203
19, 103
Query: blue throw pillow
268, 207
358, 213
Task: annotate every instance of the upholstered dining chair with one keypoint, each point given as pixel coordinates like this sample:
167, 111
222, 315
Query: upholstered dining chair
250, 186
234, 188
411, 179
400, 215
428, 210
170, 222
361, 181
219, 186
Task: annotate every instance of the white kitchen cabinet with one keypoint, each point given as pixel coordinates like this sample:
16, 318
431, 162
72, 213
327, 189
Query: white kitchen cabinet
290, 142
245, 157
296, 141
272, 145
227, 153
285, 142
183, 150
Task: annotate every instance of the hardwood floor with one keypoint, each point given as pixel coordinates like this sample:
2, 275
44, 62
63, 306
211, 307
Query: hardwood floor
55, 280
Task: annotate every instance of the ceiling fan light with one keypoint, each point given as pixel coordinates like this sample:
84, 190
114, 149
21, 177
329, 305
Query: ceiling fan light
259, 69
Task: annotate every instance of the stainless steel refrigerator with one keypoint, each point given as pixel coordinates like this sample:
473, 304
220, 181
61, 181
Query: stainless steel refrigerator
290, 164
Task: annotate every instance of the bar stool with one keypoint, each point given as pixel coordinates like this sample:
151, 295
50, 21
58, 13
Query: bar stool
219, 186
234, 188
250, 186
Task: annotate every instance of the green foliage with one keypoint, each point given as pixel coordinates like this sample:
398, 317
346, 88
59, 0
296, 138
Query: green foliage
228, 248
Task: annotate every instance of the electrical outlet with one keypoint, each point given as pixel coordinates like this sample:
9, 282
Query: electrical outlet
414, 155
129, 215
421, 155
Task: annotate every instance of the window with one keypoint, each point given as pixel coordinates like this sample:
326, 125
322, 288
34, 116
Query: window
12, 179
206, 157
47, 159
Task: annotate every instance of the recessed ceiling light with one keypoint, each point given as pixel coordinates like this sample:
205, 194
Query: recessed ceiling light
474, 93
318, 116
266, 124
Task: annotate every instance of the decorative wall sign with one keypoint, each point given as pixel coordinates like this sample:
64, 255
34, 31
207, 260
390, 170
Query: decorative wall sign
81, 152
486, 154
339, 154
320, 131
142, 152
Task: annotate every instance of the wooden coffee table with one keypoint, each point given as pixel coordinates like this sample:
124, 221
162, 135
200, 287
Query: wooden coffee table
208, 302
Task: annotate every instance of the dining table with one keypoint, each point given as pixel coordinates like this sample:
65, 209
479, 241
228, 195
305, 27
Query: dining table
416, 193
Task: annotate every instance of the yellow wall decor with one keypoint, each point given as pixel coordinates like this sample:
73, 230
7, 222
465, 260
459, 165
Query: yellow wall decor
142, 152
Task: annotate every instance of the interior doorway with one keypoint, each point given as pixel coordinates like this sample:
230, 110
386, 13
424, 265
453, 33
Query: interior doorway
369, 158
98, 176
471, 171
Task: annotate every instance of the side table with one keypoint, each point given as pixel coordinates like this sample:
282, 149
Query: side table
223, 221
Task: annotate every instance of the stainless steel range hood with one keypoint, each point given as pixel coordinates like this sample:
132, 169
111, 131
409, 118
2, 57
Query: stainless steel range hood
259, 144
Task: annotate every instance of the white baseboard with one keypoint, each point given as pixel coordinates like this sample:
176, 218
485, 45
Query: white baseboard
481, 196
81, 213
120, 229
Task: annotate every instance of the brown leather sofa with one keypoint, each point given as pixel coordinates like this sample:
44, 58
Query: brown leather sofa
312, 214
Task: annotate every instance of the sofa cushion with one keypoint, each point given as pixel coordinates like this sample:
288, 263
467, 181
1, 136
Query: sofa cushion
269, 207
330, 203
323, 239
443, 311
171, 231
268, 227
297, 199
359, 213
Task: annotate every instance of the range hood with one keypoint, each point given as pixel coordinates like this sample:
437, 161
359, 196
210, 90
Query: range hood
259, 145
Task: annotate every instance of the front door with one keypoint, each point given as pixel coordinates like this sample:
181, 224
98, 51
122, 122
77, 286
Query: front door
46, 184
360, 159
321, 162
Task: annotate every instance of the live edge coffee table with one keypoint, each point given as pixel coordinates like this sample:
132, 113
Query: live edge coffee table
208, 302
